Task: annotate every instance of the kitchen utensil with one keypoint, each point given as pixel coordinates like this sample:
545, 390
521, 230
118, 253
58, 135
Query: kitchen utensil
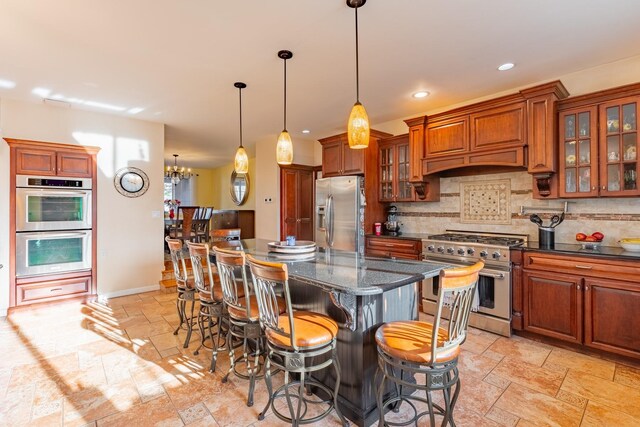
630, 244
556, 220
536, 220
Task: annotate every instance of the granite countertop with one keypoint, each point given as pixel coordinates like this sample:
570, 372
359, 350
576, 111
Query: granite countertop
346, 271
577, 249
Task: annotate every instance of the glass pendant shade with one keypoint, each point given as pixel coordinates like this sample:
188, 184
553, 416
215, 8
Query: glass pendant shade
358, 127
241, 161
284, 149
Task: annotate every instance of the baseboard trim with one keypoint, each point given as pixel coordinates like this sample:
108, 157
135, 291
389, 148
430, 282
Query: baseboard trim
125, 292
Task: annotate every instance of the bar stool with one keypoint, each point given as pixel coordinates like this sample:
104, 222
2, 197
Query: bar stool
407, 348
298, 342
244, 324
184, 286
212, 314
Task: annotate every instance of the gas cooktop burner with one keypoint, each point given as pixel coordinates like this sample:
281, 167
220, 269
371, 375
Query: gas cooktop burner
476, 238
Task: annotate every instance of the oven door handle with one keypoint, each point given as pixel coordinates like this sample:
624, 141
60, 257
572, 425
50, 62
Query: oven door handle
495, 276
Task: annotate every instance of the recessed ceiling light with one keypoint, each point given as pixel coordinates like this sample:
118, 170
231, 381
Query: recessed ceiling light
7, 84
421, 94
306, 131
506, 66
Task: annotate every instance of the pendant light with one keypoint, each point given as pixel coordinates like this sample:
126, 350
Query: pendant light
358, 126
241, 161
284, 149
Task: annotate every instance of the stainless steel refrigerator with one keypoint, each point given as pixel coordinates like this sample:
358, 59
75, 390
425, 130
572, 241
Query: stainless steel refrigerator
340, 213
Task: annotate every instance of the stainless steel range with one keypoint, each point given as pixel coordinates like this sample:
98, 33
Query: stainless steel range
459, 248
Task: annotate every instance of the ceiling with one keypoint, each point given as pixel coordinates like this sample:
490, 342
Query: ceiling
178, 60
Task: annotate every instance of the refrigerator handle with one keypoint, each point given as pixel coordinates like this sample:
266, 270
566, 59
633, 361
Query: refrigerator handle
329, 220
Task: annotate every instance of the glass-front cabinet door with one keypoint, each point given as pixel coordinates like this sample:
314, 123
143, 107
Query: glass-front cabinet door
405, 190
578, 152
385, 162
619, 147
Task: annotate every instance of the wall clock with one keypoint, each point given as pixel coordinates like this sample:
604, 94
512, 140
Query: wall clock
131, 182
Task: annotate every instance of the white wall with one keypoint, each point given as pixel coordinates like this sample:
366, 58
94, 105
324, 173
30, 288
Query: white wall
130, 230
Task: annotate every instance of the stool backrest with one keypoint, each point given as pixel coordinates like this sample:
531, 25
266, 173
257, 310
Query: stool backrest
199, 253
457, 288
266, 277
179, 266
222, 234
233, 277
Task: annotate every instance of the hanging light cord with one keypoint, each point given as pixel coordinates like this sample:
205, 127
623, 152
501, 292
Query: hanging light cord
240, 96
357, 67
285, 94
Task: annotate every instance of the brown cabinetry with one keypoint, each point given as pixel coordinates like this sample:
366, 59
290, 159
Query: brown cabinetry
598, 150
29, 292
50, 162
599, 143
296, 201
338, 159
393, 164
590, 301
388, 247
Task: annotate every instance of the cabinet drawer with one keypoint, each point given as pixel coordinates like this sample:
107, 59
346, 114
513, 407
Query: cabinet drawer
583, 266
392, 255
52, 290
394, 245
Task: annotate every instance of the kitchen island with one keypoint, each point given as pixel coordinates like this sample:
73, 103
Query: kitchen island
360, 293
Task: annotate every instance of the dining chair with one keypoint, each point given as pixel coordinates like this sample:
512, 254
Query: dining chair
185, 230
427, 352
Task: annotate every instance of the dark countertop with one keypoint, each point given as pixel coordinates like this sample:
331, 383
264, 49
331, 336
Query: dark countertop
576, 249
346, 271
408, 236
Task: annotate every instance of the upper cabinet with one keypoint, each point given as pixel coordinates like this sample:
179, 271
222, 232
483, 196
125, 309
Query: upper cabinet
598, 144
393, 161
38, 160
338, 159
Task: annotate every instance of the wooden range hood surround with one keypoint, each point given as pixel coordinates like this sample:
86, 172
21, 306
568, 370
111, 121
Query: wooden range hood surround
515, 131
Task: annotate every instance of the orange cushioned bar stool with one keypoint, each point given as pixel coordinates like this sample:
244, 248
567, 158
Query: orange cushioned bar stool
212, 314
184, 286
244, 324
299, 342
426, 351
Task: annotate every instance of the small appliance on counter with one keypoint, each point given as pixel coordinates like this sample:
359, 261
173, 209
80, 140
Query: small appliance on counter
392, 226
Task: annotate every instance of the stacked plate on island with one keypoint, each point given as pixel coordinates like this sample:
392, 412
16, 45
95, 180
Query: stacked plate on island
301, 250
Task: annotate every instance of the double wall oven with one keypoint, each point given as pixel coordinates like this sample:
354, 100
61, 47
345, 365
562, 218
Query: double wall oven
53, 225
457, 248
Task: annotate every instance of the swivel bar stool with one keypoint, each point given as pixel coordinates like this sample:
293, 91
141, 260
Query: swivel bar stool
298, 342
212, 314
184, 286
244, 323
427, 351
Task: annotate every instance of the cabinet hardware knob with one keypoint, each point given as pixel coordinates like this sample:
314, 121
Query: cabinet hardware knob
586, 288
55, 289
578, 287
604, 188
584, 267
593, 188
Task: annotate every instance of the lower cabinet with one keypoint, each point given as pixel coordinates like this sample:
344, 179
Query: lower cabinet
553, 305
51, 290
589, 301
388, 247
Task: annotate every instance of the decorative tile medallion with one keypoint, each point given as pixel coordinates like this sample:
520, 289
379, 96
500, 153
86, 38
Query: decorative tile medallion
485, 202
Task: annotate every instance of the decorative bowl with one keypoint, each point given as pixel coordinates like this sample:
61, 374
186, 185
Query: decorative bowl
631, 244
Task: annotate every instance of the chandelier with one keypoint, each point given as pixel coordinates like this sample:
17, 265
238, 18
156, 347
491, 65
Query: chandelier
176, 174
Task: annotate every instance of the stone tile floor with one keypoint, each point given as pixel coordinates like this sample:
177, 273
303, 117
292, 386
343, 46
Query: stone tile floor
119, 364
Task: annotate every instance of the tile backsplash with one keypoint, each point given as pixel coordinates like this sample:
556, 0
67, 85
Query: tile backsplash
615, 217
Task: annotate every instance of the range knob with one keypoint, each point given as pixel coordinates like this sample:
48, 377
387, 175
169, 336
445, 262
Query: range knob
496, 255
440, 249
450, 250
431, 248
461, 251
484, 254
471, 251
